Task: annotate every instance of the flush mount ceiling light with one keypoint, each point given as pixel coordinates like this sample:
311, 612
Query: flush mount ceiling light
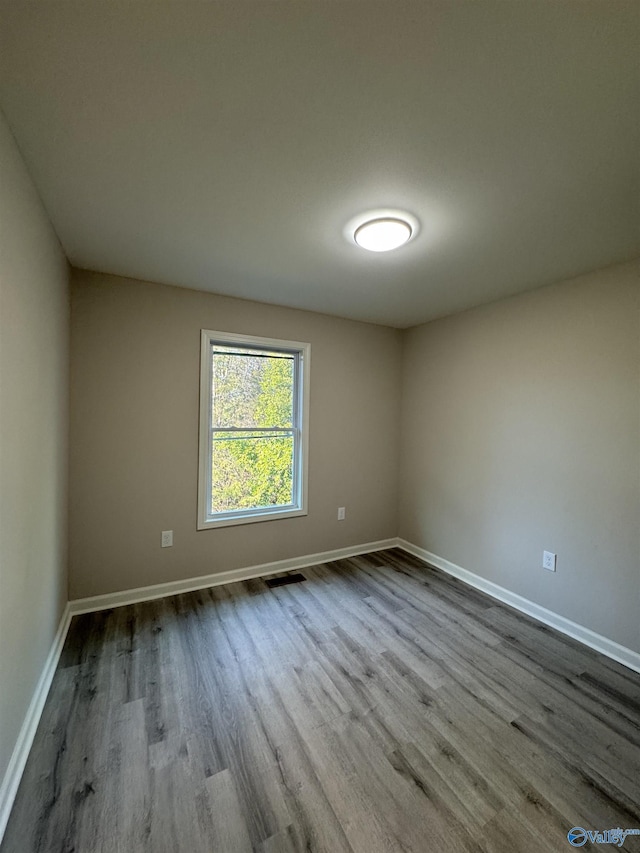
383, 235
382, 230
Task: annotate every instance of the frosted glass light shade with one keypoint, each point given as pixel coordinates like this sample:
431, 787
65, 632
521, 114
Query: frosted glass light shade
382, 235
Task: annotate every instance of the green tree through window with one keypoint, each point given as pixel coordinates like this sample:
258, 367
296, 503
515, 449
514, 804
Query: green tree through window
253, 436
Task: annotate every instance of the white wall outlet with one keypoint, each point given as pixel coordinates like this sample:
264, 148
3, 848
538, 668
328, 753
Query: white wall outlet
167, 538
341, 513
549, 561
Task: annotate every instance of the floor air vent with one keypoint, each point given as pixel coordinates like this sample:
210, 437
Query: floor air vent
295, 578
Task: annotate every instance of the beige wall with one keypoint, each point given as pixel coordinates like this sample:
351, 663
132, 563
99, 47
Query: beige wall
521, 433
34, 328
134, 430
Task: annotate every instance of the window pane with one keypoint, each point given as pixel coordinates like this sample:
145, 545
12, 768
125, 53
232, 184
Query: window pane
251, 388
251, 470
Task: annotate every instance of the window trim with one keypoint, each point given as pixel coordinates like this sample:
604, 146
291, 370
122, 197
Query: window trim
302, 350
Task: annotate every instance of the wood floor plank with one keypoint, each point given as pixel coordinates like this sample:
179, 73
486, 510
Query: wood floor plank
376, 706
228, 828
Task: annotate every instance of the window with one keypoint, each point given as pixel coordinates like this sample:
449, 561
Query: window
254, 395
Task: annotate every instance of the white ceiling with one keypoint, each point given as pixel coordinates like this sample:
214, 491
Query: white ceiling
224, 145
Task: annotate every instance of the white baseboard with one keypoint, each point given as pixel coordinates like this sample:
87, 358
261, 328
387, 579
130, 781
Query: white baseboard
584, 635
13, 775
161, 590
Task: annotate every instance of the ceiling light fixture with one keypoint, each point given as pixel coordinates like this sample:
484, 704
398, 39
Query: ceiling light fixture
381, 230
383, 235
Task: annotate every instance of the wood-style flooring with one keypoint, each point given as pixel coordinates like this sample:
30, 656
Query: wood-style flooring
379, 705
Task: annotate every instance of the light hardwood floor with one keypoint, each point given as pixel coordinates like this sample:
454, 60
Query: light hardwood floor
380, 705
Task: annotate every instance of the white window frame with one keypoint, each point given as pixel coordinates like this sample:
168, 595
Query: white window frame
302, 353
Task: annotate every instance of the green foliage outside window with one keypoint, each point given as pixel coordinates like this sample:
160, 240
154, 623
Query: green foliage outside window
252, 391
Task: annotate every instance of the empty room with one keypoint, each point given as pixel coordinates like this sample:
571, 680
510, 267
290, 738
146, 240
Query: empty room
319, 426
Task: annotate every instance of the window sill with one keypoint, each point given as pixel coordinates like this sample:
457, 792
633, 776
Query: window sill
251, 518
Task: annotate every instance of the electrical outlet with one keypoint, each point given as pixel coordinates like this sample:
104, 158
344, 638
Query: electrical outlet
341, 513
549, 561
167, 538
